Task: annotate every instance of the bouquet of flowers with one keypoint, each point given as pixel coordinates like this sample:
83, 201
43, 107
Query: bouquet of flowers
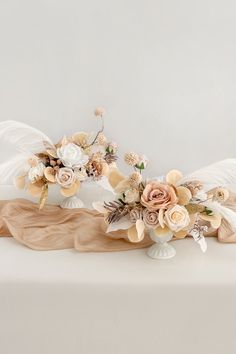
167, 205
68, 163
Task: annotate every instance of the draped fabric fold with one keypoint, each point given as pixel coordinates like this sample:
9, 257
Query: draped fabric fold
54, 228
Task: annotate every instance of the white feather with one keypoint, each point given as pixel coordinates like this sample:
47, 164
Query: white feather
26, 141
226, 213
221, 173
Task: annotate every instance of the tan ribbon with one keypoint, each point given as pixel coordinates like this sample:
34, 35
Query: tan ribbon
85, 230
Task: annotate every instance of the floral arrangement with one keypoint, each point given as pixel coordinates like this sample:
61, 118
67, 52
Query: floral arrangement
167, 204
73, 160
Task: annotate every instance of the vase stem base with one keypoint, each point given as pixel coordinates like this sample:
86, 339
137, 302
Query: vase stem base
161, 251
72, 203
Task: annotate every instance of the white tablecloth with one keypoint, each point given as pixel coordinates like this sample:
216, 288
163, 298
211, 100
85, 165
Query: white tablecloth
64, 302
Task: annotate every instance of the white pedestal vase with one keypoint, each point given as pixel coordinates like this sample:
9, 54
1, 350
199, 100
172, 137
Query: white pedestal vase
161, 249
72, 203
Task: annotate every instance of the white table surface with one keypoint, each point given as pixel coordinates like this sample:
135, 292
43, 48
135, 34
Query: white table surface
65, 302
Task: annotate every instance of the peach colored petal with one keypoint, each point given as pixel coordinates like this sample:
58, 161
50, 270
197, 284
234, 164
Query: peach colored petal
184, 195
162, 231
115, 177
133, 235
49, 174
173, 177
140, 227
181, 234
35, 189
69, 192
122, 186
19, 182
161, 218
105, 169
215, 219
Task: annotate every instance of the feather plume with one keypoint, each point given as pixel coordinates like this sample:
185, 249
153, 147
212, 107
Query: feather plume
26, 141
226, 213
221, 173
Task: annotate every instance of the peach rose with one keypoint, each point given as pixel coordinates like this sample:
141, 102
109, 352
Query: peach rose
157, 195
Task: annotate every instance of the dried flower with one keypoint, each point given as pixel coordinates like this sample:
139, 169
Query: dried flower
99, 111
194, 187
36, 172
135, 178
131, 158
101, 139
116, 211
131, 196
221, 195
80, 173
95, 168
81, 139
110, 158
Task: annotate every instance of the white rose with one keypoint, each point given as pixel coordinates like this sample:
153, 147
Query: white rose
132, 196
177, 218
71, 155
36, 172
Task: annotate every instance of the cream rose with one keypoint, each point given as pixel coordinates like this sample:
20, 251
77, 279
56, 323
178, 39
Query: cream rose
177, 218
150, 218
71, 155
157, 195
36, 172
65, 177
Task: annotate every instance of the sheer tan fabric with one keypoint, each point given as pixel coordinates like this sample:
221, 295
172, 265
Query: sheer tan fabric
55, 228
85, 230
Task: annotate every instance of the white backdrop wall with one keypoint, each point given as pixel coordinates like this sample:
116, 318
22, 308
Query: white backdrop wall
165, 71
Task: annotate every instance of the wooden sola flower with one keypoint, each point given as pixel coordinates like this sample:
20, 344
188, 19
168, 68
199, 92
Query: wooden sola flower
168, 204
39, 163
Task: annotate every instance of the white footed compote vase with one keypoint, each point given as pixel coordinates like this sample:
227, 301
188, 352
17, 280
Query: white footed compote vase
161, 249
72, 203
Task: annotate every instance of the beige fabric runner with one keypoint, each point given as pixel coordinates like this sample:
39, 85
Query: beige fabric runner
85, 230
54, 228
